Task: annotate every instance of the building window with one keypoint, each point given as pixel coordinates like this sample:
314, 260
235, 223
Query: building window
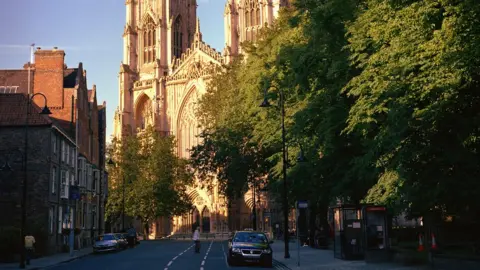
94, 211
51, 220
54, 180
84, 214
72, 178
149, 41
60, 220
63, 151
72, 156
252, 13
54, 143
95, 180
177, 37
67, 153
64, 184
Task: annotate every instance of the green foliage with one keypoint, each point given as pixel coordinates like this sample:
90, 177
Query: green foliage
382, 95
153, 177
416, 94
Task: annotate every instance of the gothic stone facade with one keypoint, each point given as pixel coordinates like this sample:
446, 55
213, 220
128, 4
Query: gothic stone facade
165, 70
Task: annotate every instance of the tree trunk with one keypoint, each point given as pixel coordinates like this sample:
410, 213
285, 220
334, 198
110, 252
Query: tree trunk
146, 230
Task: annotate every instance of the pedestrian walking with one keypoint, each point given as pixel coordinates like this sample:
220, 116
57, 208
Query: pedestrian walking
29, 247
196, 239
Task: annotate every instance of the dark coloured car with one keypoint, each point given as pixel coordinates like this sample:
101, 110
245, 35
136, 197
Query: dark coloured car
122, 240
249, 247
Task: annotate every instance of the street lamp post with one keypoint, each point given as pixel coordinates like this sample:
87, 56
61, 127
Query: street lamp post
266, 104
254, 211
44, 111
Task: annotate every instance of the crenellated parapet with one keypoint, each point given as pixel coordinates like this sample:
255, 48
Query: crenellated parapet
197, 45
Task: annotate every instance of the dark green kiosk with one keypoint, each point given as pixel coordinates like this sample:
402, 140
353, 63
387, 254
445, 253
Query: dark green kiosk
348, 232
376, 230
360, 232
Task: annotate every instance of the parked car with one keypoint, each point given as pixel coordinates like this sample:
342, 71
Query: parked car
106, 243
122, 240
250, 247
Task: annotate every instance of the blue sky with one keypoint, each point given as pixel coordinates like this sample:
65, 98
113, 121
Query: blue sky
90, 31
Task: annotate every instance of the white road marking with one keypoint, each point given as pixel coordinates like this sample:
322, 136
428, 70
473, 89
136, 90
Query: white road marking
225, 255
174, 258
206, 255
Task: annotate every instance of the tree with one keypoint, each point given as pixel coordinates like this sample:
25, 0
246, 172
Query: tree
416, 100
154, 178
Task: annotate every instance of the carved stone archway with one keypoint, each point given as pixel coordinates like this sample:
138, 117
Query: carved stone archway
187, 124
143, 112
205, 220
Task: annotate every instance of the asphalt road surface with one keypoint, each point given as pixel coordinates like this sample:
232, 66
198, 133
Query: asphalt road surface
166, 255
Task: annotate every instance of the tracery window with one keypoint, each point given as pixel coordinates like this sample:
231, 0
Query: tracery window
144, 112
252, 13
149, 41
177, 37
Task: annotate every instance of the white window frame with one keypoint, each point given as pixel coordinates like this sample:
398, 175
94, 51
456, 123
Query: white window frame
60, 220
51, 218
67, 153
73, 156
63, 150
54, 143
54, 180
64, 176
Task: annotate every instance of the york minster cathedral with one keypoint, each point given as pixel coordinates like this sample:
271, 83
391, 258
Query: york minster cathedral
163, 73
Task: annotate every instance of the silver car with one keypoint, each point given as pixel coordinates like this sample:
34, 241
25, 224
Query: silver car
105, 243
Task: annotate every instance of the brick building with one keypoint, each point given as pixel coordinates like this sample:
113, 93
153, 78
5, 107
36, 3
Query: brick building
50, 168
74, 111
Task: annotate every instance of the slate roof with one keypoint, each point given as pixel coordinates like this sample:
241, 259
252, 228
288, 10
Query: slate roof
13, 110
15, 77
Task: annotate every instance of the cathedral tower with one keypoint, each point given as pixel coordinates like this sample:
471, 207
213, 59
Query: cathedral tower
156, 32
244, 19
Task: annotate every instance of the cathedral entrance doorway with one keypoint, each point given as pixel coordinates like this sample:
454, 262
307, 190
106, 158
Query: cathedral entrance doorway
205, 220
195, 219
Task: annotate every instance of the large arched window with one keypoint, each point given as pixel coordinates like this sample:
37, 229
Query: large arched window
144, 112
177, 37
149, 41
252, 13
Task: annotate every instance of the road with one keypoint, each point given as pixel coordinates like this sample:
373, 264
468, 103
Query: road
166, 255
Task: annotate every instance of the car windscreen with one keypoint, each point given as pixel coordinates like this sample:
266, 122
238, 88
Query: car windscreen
250, 237
105, 237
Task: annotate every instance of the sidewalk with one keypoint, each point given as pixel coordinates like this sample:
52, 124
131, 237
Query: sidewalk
48, 261
320, 259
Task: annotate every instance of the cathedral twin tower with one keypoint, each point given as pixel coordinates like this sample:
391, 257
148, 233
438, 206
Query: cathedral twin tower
164, 72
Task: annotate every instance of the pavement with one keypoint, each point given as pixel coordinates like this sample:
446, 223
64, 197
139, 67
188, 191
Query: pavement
48, 261
322, 259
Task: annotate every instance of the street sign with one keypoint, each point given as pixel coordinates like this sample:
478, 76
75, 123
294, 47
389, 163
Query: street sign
302, 204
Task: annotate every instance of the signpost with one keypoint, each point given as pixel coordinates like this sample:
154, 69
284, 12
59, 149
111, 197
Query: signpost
300, 205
